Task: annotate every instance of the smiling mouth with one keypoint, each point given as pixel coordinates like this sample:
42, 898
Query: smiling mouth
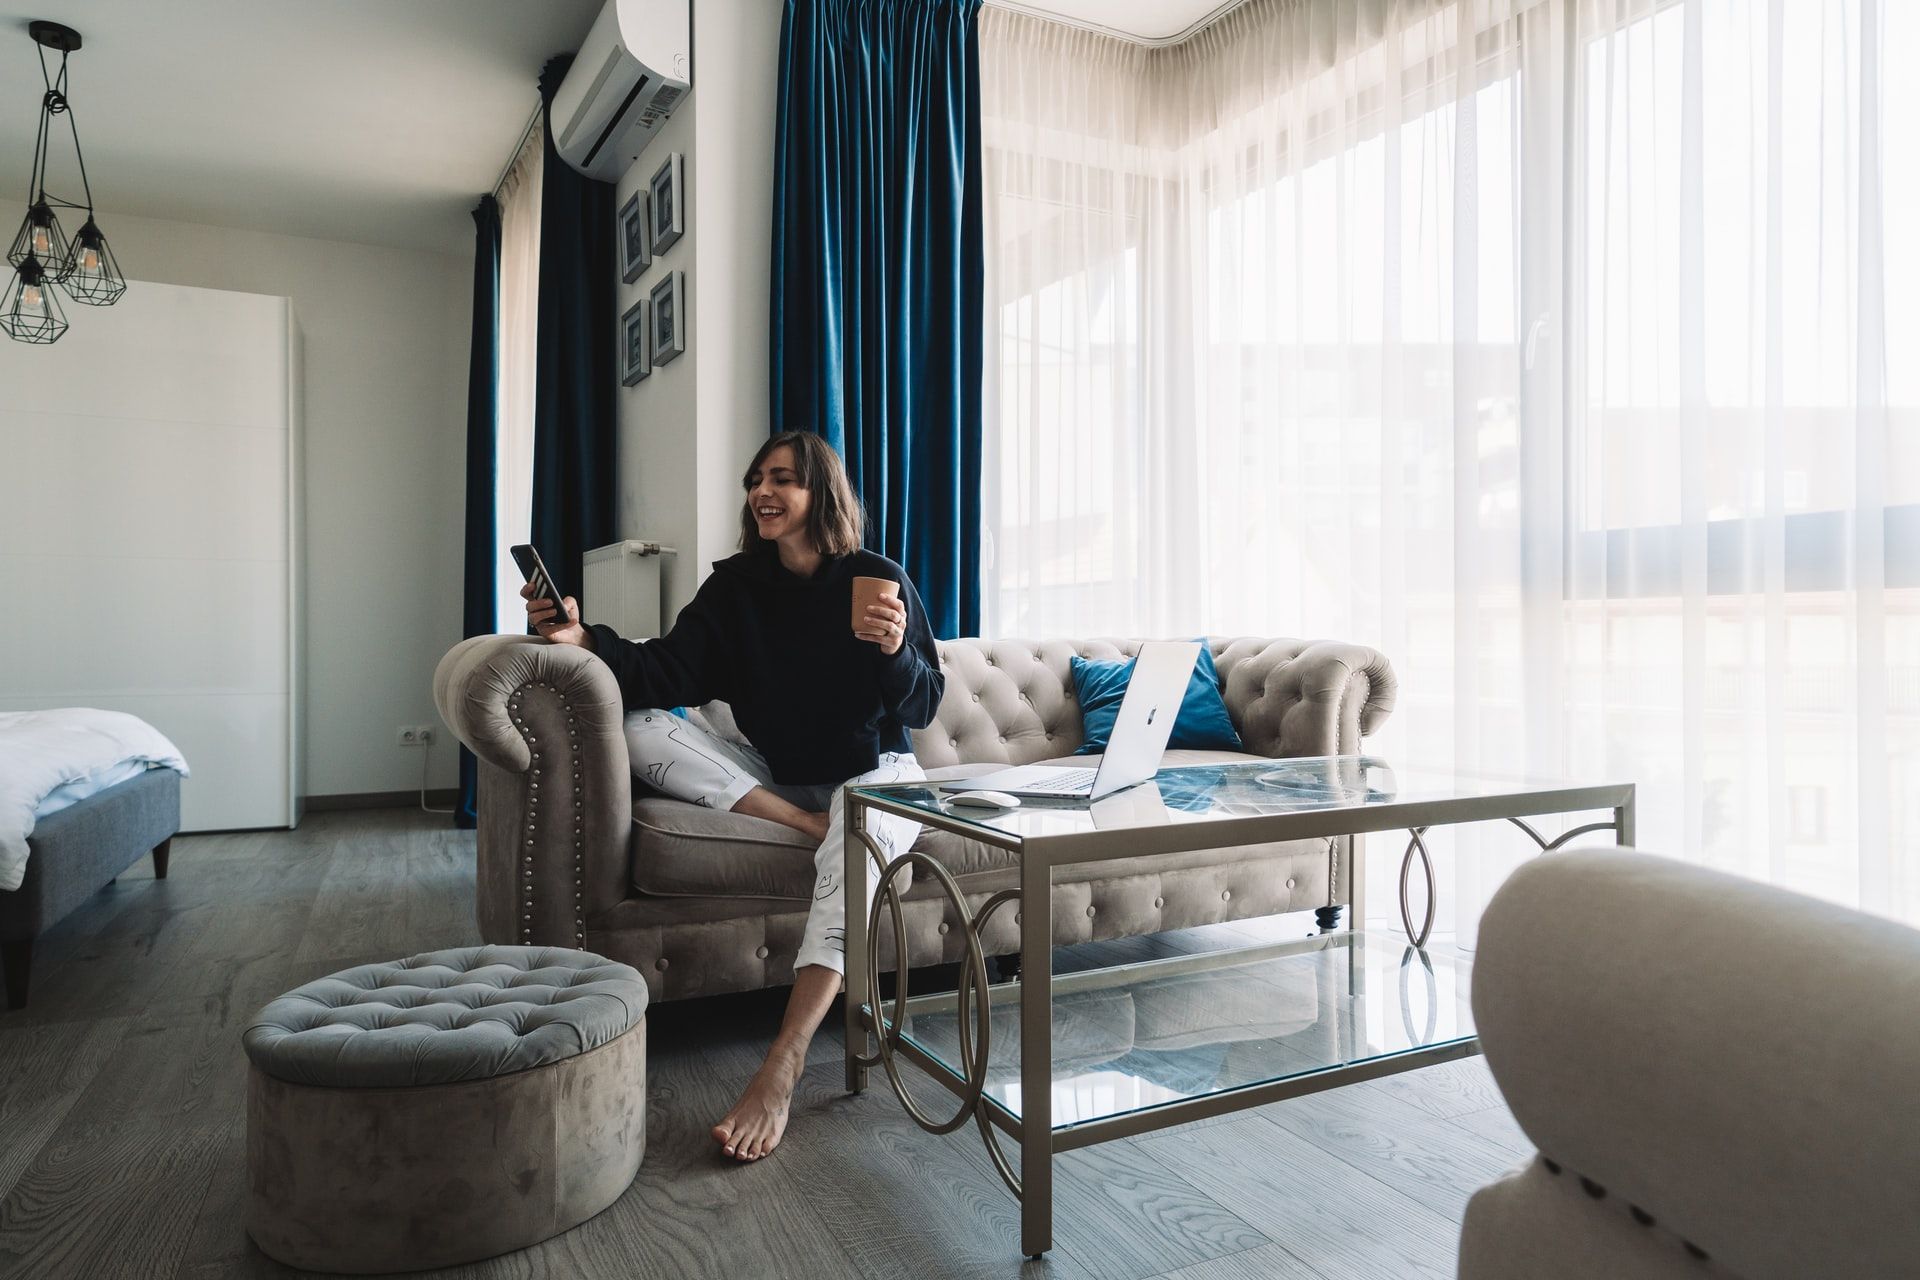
769, 513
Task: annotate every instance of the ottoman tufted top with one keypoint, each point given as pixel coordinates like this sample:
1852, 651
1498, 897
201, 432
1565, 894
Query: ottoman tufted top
471, 1013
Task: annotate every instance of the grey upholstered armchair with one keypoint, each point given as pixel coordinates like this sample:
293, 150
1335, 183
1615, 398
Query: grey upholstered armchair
573, 852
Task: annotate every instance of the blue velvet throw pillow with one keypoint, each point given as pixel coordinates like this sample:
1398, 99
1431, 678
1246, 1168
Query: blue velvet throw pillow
1202, 725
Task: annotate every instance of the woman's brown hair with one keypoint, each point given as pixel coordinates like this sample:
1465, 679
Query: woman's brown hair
835, 519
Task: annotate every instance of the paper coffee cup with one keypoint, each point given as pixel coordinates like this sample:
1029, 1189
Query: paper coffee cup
871, 591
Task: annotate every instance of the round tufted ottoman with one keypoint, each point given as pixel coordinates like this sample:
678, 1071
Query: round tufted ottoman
443, 1108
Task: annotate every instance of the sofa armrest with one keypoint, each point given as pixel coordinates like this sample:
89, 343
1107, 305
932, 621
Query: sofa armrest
1731, 1058
1306, 698
555, 789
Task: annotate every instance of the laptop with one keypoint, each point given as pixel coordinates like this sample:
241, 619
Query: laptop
1151, 704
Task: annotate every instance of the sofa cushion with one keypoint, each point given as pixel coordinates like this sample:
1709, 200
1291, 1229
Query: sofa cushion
685, 850
1202, 721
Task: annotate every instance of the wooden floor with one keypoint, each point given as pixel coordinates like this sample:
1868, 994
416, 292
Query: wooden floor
122, 1118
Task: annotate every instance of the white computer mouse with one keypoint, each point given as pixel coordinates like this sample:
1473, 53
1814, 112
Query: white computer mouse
985, 800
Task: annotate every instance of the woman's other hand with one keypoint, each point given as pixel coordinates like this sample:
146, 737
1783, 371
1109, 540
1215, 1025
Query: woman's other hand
886, 625
540, 613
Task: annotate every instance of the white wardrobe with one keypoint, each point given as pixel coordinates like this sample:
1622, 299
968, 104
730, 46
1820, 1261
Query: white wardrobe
150, 535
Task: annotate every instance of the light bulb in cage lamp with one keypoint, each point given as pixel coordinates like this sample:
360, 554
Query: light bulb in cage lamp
30, 310
40, 237
92, 274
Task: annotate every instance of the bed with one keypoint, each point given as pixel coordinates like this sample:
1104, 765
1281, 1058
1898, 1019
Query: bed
84, 795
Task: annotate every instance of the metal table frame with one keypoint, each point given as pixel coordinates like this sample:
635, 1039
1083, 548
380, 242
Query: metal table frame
875, 1040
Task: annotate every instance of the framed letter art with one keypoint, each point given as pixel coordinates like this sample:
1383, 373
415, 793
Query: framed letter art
667, 193
669, 317
636, 360
631, 231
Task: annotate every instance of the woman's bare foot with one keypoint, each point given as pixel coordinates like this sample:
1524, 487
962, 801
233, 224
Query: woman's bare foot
755, 1125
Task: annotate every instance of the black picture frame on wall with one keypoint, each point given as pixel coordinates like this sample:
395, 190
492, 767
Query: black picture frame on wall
636, 356
669, 306
667, 198
632, 232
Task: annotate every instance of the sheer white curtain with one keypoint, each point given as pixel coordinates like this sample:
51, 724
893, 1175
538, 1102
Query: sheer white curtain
1542, 344
519, 197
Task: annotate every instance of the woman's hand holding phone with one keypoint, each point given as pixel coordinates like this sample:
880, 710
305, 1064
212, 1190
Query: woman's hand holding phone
540, 613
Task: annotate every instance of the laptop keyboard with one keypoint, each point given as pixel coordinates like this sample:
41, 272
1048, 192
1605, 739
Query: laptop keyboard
1078, 780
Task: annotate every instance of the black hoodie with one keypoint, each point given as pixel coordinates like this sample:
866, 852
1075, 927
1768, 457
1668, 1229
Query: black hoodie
819, 703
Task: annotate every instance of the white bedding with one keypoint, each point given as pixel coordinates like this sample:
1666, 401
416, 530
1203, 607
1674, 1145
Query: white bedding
50, 760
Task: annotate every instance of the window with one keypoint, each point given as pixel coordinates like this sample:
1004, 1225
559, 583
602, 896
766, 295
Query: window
1549, 355
519, 197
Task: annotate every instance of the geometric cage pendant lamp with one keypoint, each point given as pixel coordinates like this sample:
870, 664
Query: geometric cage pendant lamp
43, 258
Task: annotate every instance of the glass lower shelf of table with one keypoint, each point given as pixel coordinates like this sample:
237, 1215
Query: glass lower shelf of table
1151, 1036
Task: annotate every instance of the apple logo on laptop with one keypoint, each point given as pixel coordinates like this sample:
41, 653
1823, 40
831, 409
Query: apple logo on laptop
1151, 713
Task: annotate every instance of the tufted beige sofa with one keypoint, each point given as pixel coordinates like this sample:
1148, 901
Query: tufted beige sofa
1711, 1069
572, 852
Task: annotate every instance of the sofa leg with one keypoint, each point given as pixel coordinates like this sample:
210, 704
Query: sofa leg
17, 959
161, 852
1328, 918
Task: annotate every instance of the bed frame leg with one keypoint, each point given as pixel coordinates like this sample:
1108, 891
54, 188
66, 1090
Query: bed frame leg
17, 959
161, 852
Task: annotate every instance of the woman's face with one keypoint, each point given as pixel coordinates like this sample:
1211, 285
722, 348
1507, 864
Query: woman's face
774, 495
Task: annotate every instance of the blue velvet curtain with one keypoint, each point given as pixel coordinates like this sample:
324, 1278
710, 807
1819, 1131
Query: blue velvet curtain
483, 524
877, 265
574, 431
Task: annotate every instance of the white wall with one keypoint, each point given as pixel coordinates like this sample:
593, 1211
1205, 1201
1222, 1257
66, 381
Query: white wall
658, 489
688, 430
152, 513
385, 356
737, 48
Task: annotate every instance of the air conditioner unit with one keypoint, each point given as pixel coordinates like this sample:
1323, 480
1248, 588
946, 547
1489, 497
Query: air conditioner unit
629, 75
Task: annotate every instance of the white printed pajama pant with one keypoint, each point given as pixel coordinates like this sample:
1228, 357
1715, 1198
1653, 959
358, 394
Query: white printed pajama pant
680, 759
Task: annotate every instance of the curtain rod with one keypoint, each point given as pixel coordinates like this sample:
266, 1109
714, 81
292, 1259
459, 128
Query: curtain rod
1192, 29
514, 154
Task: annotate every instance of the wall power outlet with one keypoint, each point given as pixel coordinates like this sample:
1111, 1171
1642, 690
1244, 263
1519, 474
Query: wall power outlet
416, 735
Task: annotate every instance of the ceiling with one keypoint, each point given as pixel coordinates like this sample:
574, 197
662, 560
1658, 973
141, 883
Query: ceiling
371, 121
1149, 21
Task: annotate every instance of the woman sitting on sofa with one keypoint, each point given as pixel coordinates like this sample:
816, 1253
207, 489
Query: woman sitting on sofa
824, 703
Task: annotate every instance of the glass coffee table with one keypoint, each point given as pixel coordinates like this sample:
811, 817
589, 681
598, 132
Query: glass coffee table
1058, 1062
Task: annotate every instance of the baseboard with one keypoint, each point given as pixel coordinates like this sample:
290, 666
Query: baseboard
379, 800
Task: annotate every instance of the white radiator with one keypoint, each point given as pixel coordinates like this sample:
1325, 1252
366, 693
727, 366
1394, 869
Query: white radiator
622, 585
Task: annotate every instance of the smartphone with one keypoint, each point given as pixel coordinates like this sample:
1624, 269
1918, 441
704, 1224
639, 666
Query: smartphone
535, 572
